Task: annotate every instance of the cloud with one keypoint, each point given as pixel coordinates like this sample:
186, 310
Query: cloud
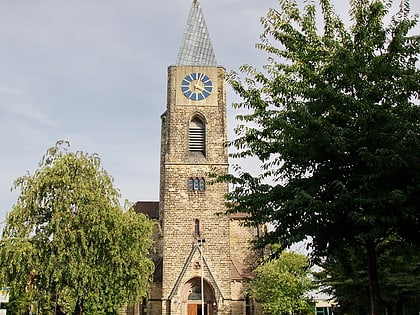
95, 73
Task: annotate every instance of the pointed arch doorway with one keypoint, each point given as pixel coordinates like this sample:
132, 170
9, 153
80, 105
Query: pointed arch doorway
191, 296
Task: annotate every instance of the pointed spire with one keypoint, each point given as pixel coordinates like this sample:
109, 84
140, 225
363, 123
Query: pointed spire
196, 48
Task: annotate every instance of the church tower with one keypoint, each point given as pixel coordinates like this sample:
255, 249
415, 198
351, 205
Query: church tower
195, 240
202, 258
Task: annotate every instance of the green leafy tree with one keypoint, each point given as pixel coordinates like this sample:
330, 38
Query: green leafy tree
399, 276
67, 243
334, 119
282, 285
345, 277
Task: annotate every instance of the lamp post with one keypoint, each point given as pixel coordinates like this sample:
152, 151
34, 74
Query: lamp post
199, 242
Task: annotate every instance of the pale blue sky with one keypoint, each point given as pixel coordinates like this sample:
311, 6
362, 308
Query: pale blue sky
94, 73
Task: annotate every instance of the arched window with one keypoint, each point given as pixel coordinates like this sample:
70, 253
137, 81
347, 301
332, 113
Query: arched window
191, 184
195, 294
248, 305
197, 136
196, 184
202, 184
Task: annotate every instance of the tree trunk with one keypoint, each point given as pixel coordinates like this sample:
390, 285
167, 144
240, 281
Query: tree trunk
399, 307
375, 298
79, 307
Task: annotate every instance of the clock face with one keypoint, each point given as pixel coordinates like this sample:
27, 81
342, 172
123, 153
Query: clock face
196, 86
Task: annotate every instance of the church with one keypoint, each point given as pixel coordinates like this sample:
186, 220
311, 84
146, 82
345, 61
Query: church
203, 261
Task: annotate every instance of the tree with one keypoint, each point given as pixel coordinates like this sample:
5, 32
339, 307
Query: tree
399, 277
282, 285
68, 244
334, 119
345, 277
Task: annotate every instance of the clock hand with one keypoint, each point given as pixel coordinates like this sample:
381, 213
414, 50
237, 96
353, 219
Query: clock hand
198, 87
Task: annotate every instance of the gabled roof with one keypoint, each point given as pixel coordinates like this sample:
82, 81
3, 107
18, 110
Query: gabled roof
195, 248
196, 48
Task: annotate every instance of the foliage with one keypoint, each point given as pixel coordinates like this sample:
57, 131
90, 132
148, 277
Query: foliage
67, 243
334, 120
345, 277
282, 285
399, 275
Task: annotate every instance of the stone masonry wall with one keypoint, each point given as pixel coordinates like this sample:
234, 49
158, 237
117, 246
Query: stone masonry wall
180, 207
223, 239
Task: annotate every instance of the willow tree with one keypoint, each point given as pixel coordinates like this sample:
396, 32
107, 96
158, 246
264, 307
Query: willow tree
68, 245
334, 120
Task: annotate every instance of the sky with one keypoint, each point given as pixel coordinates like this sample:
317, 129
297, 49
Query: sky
95, 72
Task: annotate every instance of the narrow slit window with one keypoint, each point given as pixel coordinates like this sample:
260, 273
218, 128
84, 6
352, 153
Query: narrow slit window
197, 227
202, 185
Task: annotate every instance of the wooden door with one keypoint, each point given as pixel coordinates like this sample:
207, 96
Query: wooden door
195, 309
192, 309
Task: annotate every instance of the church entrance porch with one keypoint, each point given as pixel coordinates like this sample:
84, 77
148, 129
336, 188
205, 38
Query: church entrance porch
193, 298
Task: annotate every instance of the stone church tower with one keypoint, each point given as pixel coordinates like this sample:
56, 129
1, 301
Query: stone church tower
203, 260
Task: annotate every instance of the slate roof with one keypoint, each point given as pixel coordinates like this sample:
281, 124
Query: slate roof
196, 48
239, 272
149, 208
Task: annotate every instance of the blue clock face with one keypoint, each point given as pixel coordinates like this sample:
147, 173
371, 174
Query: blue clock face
196, 86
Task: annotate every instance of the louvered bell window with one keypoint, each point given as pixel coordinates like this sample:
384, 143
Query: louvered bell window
197, 136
